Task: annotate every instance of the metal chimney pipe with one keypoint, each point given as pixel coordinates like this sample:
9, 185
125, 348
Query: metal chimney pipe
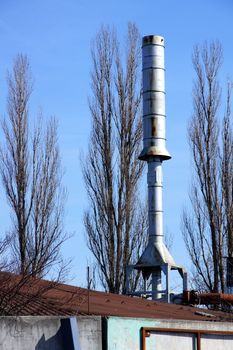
156, 257
154, 139
154, 152
153, 98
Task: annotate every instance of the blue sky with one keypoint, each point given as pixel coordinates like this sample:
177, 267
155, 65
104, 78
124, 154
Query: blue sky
56, 36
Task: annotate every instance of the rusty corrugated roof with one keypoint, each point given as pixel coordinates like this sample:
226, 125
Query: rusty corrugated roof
45, 298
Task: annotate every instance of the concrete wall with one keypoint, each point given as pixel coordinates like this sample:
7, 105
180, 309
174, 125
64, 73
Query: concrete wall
90, 332
49, 333
56, 333
124, 334
171, 341
29, 333
210, 342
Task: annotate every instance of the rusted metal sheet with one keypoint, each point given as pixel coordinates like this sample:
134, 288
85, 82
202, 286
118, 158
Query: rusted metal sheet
63, 300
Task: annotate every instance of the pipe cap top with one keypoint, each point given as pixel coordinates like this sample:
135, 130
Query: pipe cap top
153, 40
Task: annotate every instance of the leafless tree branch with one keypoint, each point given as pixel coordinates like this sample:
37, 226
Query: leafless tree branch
115, 221
207, 229
31, 174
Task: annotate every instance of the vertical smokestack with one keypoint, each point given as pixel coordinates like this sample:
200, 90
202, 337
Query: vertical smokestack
154, 153
156, 258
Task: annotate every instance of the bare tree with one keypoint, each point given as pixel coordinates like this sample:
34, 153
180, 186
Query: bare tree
31, 176
227, 175
207, 230
115, 221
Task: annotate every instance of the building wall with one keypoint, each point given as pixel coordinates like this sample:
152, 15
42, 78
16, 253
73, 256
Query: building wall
29, 333
55, 333
90, 332
125, 334
49, 333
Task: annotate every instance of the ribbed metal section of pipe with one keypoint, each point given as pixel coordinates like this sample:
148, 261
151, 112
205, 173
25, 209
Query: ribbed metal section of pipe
153, 71
154, 153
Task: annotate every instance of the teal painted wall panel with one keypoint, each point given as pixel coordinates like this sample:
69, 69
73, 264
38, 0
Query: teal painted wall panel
124, 334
